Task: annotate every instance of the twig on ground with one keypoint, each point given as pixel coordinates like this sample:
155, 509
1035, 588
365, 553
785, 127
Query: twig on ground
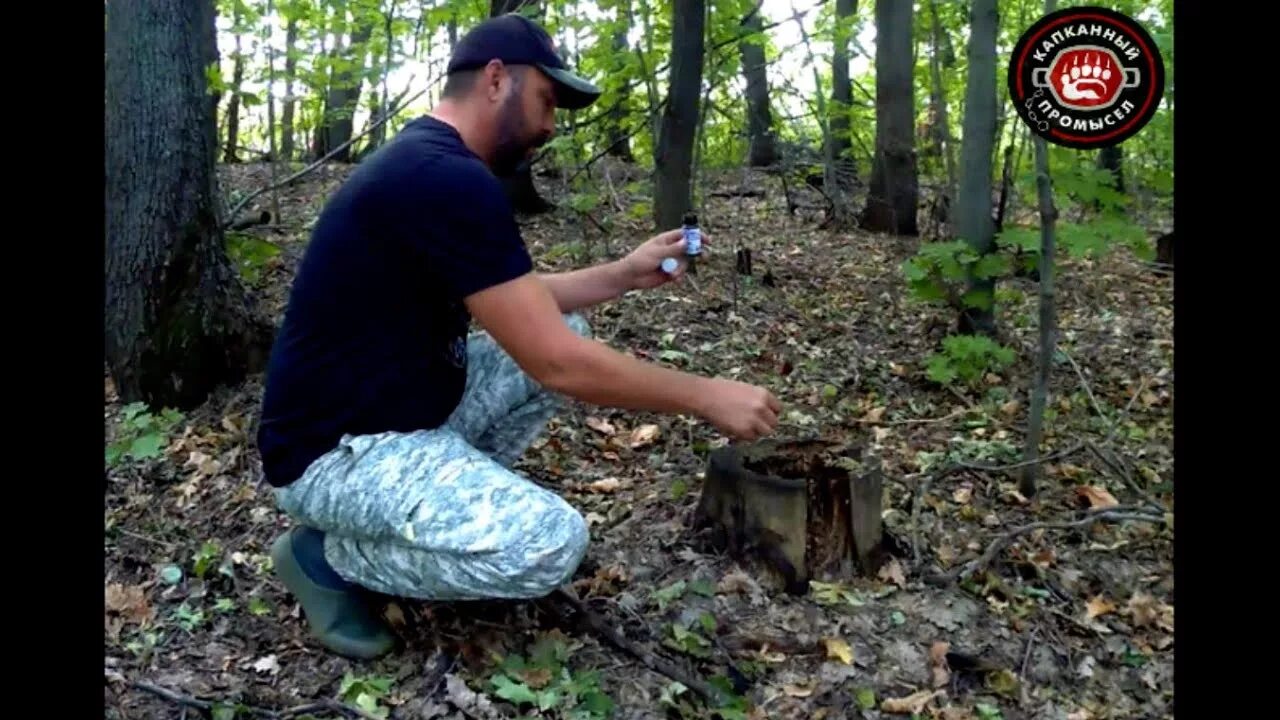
1118, 466
912, 421
1087, 389
186, 701
1026, 657
1003, 540
650, 660
147, 538
956, 467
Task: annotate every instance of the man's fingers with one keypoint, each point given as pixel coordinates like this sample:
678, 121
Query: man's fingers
774, 403
672, 237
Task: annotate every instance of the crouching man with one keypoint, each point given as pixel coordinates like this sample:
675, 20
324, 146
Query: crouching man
388, 430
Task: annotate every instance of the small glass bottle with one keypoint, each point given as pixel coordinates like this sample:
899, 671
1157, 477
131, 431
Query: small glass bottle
692, 235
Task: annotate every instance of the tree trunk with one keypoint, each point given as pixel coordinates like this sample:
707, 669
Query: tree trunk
290, 68
233, 106
380, 101
1048, 314
673, 156
763, 148
619, 136
942, 124
842, 97
271, 114
974, 224
344, 95
1112, 158
894, 192
178, 321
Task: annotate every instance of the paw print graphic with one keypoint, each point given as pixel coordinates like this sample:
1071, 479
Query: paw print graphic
1087, 81
1085, 78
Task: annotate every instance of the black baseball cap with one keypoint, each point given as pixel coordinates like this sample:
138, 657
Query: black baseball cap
517, 40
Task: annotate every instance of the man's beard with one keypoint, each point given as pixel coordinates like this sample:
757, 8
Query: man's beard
511, 155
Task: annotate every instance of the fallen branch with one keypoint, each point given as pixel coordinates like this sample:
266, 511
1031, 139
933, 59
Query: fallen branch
1111, 514
650, 660
208, 705
958, 466
231, 216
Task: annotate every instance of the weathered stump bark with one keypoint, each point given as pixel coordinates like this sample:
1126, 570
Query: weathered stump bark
810, 510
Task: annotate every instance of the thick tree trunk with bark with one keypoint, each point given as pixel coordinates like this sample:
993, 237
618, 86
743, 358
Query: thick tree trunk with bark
842, 97
178, 321
763, 146
894, 193
673, 156
974, 224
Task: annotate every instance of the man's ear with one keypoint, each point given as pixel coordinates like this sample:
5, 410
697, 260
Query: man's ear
492, 77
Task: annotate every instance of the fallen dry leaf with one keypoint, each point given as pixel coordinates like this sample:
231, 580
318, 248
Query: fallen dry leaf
1010, 407
268, 664
600, 425
963, 494
838, 649
1098, 606
892, 572
1097, 497
1070, 471
129, 602
643, 435
938, 663
799, 691
735, 581
394, 614
1081, 714
607, 485
874, 414
537, 678
1146, 610
911, 704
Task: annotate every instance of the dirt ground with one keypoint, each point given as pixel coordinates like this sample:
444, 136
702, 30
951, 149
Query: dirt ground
1072, 619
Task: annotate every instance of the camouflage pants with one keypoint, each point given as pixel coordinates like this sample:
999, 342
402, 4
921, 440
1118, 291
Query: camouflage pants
439, 514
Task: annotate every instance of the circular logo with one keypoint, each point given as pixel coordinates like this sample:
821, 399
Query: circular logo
1086, 77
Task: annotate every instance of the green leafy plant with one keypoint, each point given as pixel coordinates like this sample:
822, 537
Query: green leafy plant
938, 273
141, 434
692, 638
250, 254
544, 682
967, 358
366, 693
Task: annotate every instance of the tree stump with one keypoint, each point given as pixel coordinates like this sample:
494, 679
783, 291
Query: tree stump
809, 509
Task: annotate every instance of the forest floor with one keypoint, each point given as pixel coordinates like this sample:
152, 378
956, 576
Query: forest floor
1072, 620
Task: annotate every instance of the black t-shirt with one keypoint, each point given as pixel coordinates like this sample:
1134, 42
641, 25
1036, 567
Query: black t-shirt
374, 336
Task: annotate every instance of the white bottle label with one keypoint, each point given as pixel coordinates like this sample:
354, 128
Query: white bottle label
693, 241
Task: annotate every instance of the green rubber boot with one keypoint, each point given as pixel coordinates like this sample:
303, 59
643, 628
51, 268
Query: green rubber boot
341, 620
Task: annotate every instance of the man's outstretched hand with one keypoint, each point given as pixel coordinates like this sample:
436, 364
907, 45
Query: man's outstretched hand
741, 411
642, 266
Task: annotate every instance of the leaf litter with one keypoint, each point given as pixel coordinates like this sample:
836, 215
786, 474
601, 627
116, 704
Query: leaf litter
1066, 623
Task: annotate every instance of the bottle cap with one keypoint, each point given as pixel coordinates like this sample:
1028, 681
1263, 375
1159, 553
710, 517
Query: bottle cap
690, 218
669, 265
